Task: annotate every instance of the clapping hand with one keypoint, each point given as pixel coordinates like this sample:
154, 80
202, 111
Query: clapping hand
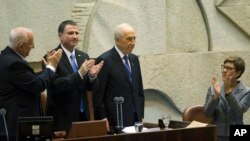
96, 69
53, 58
216, 87
227, 79
86, 66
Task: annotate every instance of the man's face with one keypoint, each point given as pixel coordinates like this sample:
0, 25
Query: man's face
126, 43
69, 38
25, 47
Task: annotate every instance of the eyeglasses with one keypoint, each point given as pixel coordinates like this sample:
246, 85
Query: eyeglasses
228, 68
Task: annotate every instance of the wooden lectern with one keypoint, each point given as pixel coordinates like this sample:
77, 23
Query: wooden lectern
177, 132
87, 129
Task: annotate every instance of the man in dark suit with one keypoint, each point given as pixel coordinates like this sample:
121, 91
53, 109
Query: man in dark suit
120, 78
67, 95
20, 87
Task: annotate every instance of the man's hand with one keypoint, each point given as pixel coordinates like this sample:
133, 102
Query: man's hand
53, 58
86, 66
96, 69
107, 124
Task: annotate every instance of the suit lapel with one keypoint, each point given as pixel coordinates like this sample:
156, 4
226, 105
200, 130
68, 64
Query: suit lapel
65, 61
120, 64
79, 58
131, 60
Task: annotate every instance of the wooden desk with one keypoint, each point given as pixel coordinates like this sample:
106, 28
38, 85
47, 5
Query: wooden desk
177, 133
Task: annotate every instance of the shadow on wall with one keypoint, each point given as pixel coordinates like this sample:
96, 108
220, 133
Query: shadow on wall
158, 103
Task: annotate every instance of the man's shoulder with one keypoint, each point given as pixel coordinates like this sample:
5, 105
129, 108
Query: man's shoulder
133, 55
10, 57
106, 55
78, 51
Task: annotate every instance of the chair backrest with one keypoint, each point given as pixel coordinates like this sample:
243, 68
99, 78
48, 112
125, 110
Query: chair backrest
87, 129
196, 113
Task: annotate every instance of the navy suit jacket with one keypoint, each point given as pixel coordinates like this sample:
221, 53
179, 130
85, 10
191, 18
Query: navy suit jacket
113, 81
20, 89
64, 94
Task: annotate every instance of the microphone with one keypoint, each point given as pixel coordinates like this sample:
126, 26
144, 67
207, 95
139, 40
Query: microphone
121, 101
118, 101
3, 113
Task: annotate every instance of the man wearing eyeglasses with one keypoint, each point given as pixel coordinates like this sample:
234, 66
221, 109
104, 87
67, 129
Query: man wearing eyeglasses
227, 102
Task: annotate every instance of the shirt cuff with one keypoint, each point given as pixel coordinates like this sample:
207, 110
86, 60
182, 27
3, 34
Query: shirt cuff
80, 74
51, 68
92, 78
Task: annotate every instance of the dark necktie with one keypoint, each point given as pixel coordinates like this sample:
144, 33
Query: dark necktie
128, 69
75, 69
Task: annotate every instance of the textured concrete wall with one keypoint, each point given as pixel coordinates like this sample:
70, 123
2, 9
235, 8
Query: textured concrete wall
43, 17
181, 43
147, 16
185, 78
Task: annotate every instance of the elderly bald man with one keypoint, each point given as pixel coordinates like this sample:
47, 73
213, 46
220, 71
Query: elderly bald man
20, 86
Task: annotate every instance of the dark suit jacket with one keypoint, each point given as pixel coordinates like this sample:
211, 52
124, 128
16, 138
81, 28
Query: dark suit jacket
63, 99
20, 88
113, 81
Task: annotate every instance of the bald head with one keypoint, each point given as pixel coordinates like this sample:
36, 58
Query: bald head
19, 34
125, 36
21, 40
121, 29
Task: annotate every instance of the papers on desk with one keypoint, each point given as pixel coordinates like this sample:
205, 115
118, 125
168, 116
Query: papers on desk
196, 124
131, 129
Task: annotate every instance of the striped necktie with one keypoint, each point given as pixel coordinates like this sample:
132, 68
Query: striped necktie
128, 69
75, 69
73, 63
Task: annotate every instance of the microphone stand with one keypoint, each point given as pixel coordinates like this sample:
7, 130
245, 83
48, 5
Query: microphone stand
117, 114
118, 101
3, 112
121, 122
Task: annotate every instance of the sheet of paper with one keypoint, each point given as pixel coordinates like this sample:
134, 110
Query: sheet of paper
131, 129
196, 124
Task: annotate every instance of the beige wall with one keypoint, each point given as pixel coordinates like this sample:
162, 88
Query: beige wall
181, 43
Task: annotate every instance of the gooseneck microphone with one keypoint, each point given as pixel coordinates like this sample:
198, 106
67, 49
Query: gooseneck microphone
118, 101
3, 113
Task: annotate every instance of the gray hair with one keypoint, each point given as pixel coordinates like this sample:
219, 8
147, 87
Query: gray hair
119, 30
18, 35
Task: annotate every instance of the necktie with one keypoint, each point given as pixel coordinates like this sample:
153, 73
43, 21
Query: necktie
73, 63
128, 69
75, 69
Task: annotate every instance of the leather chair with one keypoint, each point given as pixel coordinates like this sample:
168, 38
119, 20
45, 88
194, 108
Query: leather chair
195, 112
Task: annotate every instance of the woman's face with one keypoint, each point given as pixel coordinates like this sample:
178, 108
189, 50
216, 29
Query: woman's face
229, 71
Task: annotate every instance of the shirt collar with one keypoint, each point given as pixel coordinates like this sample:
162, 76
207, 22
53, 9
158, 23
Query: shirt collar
18, 54
119, 52
67, 52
